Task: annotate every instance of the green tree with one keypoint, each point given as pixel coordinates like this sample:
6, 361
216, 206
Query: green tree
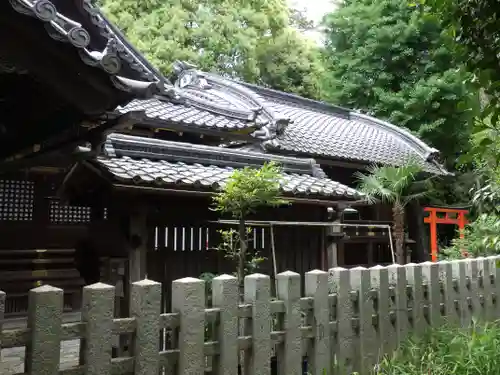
246, 191
254, 41
478, 42
391, 60
397, 186
482, 236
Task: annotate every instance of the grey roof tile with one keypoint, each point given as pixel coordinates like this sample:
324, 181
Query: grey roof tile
306, 127
354, 138
167, 173
164, 163
183, 113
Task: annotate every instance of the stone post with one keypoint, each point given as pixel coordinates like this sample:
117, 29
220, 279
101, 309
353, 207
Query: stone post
477, 308
485, 289
97, 313
385, 329
397, 280
340, 284
459, 271
188, 299
257, 360
290, 352
495, 285
368, 349
449, 294
415, 280
316, 286
44, 321
332, 250
430, 272
225, 296
145, 307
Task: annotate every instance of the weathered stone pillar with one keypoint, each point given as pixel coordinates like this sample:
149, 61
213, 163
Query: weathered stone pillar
97, 314
257, 292
290, 351
44, 322
225, 296
339, 283
188, 299
316, 286
145, 307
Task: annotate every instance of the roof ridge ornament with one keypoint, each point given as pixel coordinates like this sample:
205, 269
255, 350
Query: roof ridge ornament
118, 58
225, 96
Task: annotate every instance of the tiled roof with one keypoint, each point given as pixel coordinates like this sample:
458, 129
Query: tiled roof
165, 173
291, 124
168, 111
165, 164
322, 130
353, 137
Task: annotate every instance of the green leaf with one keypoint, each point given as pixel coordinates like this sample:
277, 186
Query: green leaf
256, 41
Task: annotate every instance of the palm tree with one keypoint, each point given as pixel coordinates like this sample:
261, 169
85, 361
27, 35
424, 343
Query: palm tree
396, 186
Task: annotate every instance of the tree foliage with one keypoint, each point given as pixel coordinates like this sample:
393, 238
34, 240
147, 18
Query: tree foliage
475, 27
246, 191
481, 238
255, 41
249, 189
393, 61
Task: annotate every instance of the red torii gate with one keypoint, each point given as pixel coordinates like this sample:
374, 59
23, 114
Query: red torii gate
433, 220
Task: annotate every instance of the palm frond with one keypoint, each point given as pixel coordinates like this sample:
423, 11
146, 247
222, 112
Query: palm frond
374, 188
391, 184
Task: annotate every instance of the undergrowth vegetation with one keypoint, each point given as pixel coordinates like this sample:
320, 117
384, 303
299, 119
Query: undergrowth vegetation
447, 351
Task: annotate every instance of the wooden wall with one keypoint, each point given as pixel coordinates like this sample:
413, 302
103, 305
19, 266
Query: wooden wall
182, 242
37, 238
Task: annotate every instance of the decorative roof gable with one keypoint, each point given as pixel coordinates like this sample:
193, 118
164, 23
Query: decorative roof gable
99, 43
227, 97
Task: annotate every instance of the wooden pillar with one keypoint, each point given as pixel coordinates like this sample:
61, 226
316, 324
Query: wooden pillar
138, 241
461, 223
433, 231
417, 231
135, 231
334, 245
370, 249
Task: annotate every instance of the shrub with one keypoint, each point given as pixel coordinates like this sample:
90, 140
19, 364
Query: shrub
481, 239
446, 351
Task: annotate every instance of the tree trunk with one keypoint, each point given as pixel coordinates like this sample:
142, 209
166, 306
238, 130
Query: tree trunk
398, 215
243, 252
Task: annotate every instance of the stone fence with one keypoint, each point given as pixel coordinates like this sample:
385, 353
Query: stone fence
343, 322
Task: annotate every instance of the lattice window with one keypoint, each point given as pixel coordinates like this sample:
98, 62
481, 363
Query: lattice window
16, 200
68, 214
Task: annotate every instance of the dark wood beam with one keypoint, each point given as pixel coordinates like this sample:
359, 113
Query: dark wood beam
293, 200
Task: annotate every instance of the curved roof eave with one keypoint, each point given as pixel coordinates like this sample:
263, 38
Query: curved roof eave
428, 153
308, 126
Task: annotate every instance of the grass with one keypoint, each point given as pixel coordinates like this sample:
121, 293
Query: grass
447, 351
